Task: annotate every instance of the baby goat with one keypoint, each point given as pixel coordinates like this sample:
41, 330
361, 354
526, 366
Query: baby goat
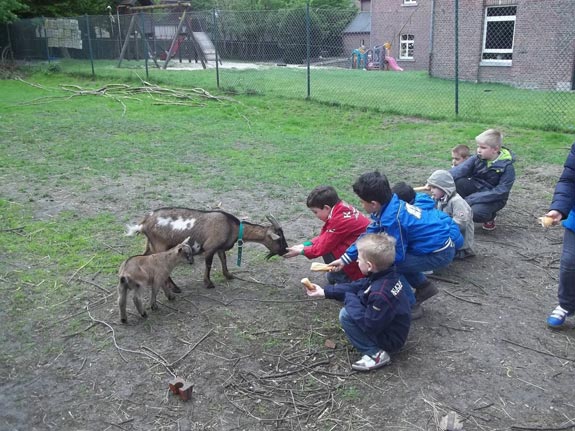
153, 270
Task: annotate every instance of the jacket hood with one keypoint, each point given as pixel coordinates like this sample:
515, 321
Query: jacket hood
442, 180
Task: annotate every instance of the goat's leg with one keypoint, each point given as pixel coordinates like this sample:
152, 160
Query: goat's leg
207, 281
138, 303
122, 293
153, 295
224, 261
173, 286
168, 290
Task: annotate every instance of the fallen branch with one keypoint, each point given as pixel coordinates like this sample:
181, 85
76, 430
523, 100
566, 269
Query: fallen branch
537, 350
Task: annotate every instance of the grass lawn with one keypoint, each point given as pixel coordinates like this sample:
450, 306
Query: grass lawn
285, 147
407, 93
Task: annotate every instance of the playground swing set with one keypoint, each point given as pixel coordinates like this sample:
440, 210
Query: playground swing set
199, 43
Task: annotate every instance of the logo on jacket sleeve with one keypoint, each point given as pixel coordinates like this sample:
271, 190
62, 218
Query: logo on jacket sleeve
397, 288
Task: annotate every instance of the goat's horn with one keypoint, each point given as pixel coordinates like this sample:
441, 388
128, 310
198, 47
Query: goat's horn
273, 221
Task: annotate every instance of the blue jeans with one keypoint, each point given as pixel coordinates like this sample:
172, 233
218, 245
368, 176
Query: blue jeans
359, 339
412, 265
566, 292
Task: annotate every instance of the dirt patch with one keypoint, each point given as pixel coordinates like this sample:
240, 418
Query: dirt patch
254, 347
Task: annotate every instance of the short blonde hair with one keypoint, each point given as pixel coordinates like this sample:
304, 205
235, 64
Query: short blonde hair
379, 249
491, 137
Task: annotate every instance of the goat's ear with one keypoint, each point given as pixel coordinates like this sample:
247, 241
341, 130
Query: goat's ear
274, 236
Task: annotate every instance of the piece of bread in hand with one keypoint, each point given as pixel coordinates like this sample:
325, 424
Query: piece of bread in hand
308, 284
546, 221
318, 266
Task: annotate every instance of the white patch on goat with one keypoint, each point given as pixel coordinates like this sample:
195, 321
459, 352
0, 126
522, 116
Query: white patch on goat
178, 224
132, 229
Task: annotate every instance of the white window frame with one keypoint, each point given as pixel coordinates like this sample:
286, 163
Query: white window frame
404, 46
410, 2
488, 19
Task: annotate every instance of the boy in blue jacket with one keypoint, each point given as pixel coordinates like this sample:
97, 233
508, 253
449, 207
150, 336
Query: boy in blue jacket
485, 179
563, 207
376, 314
425, 239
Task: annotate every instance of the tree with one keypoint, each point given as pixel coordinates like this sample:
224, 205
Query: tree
9, 10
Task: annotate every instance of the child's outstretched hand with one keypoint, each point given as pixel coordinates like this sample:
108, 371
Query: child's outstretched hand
294, 251
312, 289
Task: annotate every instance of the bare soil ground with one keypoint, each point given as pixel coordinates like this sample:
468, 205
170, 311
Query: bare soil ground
254, 347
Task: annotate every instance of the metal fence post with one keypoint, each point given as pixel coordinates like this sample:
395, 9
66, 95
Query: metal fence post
215, 39
456, 57
87, 19
144, 43
308, 41
46, 39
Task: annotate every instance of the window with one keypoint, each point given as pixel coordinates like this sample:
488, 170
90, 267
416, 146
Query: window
406, 47
410, 2
498, 35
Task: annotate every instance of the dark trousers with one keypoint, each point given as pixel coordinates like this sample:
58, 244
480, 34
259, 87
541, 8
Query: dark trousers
566, 291
481, 212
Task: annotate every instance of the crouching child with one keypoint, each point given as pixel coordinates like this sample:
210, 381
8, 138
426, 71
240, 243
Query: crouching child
377, 314
448, 200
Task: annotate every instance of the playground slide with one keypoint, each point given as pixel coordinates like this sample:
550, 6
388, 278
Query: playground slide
393, 64
204, 43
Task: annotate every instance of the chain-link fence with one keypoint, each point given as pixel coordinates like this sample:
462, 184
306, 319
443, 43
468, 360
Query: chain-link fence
503, 65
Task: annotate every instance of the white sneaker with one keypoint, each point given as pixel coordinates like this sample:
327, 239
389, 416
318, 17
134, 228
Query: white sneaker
368, 363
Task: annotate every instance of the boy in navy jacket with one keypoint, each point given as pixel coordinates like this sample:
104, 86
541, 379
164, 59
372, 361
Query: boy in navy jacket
376, 314
563, 208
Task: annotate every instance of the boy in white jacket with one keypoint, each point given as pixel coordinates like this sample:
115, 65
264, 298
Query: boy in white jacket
446, 199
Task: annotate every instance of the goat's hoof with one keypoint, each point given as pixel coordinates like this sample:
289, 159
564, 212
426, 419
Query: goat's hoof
210, 286
124, 320
171, 297
229, 276
154, 306
176, 289
144, 315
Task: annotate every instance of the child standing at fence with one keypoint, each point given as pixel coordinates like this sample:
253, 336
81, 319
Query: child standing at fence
376, 313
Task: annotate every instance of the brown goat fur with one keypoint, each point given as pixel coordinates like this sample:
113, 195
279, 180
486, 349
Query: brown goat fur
211, 232
153, 271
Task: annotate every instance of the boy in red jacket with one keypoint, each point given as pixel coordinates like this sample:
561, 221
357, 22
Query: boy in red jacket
343, 224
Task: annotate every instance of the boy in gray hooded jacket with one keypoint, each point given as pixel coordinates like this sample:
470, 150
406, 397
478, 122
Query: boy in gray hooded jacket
442, 187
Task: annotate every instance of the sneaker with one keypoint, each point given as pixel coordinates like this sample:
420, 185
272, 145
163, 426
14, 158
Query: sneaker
489, 225
368, 363
425, 291
428, 272
416, 311
463, 254
557, 317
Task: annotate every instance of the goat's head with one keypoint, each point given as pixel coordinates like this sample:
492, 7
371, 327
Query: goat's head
187, 250
275, 239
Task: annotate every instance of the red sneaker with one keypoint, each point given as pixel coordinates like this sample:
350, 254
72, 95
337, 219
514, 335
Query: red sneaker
489, 225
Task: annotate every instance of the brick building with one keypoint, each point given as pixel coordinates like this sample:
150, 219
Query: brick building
525, 43
406, 25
